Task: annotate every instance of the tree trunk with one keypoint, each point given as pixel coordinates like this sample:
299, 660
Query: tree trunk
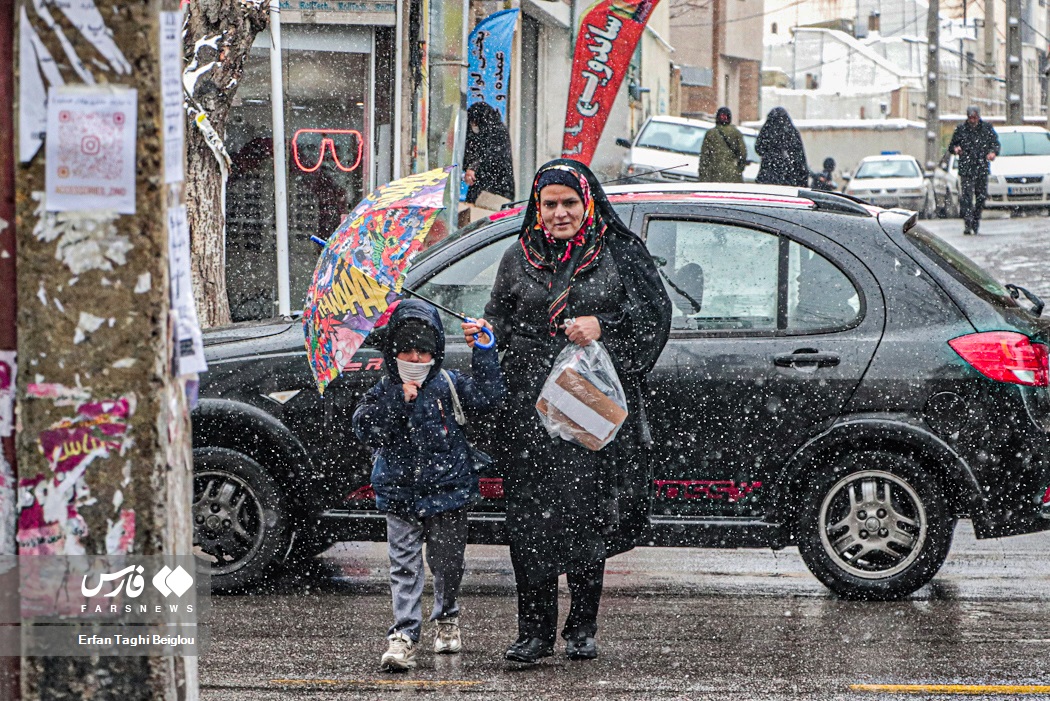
219, 34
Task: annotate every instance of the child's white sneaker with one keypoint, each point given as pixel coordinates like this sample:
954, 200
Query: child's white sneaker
447, 639
400, 654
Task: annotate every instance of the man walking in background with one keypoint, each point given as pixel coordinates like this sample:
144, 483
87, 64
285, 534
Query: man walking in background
976, 144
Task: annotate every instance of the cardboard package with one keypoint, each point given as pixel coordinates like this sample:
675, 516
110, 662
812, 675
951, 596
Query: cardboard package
587, 415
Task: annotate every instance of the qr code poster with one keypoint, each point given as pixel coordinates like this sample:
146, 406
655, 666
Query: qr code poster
91, 149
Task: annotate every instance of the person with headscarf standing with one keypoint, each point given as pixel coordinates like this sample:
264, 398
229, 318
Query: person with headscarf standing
487, 163
577, 275
783, 155
723, 155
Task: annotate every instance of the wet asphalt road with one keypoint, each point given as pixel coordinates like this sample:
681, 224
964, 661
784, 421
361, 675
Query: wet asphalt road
675, 623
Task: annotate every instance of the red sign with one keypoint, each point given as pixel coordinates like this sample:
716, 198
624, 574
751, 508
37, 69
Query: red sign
608, 36
321, 139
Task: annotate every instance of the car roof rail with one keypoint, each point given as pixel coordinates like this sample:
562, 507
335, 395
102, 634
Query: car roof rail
836, 202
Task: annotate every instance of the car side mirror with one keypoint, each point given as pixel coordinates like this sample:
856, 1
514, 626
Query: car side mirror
847, 176
623, 142
928, 174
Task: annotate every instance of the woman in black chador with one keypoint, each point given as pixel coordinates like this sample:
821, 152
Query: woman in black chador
487, 164
579, 275
783, 155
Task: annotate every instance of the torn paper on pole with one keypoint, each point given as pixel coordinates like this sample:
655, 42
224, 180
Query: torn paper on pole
91, 133
190, 343
171, 95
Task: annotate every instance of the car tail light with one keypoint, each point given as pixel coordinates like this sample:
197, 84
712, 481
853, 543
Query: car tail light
1005, 356
1046, 497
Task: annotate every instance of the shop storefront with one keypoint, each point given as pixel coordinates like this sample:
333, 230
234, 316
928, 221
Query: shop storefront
338, 95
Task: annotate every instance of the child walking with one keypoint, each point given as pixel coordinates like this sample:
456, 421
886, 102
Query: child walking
423, 474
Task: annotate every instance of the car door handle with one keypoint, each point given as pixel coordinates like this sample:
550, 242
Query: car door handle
806, 357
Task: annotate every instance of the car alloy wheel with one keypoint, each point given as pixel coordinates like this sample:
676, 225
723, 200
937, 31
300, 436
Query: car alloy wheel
239, 522
874, 526
873, 523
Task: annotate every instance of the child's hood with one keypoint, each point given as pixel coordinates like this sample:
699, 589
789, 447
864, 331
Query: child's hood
414, 309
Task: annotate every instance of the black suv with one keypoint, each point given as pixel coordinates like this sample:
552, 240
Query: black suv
837, 378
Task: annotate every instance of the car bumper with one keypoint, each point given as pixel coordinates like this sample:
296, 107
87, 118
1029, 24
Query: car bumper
912, 202
1009, 195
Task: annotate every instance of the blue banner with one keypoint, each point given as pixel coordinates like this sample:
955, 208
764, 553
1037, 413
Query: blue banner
488, 65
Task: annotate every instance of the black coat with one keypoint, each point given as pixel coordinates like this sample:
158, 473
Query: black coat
783, 155
976, 142
568, 505
488, 153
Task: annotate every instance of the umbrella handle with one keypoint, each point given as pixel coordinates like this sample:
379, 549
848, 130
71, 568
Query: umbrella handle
477, 341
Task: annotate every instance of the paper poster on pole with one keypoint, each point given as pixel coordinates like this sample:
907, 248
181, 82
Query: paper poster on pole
171, 95
90, 148
190, 349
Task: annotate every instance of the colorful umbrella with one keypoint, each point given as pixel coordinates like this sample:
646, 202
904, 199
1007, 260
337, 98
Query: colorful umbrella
362, 267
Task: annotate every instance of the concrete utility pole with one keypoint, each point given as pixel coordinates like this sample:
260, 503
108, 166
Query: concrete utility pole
96, 331
1014, 64
933, 116
447, 63
9, 666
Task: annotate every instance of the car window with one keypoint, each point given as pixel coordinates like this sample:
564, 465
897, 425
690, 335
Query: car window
1011, 144
666, 136
960, 267
888, 169
719, 276
1037, 143
465, 285
820, 296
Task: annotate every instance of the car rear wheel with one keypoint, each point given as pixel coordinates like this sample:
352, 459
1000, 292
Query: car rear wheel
875, 527
240, 521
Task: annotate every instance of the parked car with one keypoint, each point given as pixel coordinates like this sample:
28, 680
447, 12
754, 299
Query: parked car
667, 149
1020, 176
946, 186
837, 378
893, 180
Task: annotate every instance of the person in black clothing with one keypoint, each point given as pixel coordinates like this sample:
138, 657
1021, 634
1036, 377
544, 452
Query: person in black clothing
825, 179
487, 164
577, 275
783, 155
976, 144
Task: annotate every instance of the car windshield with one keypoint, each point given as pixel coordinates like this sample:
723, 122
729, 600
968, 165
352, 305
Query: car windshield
888, 169
1024, 143
960, 267
667, 136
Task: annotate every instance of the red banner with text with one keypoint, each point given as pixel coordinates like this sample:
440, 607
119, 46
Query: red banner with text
609, 33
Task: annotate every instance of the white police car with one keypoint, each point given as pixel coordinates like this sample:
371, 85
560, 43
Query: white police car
892, 180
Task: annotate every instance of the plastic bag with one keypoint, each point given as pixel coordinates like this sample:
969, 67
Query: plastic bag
582, 400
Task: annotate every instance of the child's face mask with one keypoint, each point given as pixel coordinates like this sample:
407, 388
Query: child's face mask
413, 372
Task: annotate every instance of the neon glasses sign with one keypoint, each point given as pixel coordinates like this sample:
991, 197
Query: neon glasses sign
310, 137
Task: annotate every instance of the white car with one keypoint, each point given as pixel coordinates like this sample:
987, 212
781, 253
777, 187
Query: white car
667, 149
1020, 176
892, 180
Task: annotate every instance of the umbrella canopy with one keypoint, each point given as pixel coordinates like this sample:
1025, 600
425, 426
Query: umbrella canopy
362, 266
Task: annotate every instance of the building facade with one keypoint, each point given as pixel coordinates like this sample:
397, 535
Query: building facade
370, 93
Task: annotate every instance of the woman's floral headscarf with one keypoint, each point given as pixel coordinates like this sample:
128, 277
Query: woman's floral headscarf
566, 259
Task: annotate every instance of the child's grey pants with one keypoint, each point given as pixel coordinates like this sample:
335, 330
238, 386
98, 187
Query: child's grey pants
445, 535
